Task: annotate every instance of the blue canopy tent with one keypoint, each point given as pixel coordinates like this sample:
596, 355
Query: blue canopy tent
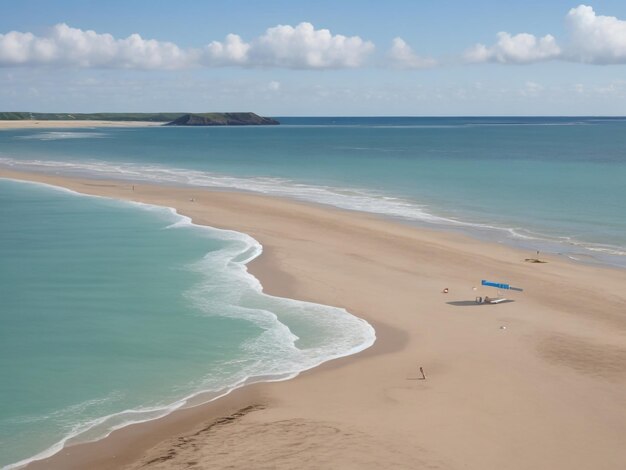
498, 285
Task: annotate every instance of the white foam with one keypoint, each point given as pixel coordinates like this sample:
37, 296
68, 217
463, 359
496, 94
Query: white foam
58, 135
351, 198
274, 355
357, 199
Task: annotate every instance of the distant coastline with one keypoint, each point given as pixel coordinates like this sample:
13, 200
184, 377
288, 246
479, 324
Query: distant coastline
98, 119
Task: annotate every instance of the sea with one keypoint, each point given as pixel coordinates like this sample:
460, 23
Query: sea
113, 312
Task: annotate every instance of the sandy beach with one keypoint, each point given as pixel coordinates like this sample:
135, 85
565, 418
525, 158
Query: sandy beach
536, 383
33, 124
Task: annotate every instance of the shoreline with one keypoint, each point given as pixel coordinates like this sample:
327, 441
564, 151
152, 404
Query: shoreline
53, 124
598, 252
200, 398
392, 275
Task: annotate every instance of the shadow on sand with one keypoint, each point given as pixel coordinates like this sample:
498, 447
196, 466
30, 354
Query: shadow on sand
472, 303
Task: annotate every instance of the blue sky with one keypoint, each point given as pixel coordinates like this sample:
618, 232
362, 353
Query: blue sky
328, 58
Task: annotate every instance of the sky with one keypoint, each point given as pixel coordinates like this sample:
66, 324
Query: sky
323, 58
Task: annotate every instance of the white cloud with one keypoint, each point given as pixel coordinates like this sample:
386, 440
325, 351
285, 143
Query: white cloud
522, 48
592, 39
531, 89
402, 56
273, 85
70, 46
305, 47
300, 47
233, 51
596, 39
615, 89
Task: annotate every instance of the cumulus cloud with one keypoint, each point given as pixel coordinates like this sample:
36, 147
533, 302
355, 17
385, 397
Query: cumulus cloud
273, 85
531, 89
402, 56
591, 38
300, 47
594, 38
306, 47
522, 48
70, 46
233, 51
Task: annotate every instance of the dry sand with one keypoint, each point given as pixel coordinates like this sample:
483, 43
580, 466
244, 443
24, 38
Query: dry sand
33, 124
546, 392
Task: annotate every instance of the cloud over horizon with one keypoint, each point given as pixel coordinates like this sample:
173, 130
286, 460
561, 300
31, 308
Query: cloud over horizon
402, 56
522, 48
590, 39
65, 45
300, 47
596, 39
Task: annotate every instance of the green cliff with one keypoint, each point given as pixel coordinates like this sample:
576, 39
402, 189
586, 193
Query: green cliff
222, 119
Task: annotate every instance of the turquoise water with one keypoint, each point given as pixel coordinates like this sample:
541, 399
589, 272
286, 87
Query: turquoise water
555, 184
114, 313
